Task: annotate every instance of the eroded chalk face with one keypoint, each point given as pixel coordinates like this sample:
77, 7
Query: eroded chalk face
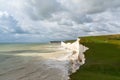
77, 57
74, 52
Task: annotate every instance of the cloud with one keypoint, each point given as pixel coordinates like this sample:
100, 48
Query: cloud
8, 24
90, 6
45, 20
42, 9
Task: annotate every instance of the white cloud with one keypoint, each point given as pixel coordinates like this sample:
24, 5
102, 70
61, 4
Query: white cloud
57, 19
42, 9
90, 6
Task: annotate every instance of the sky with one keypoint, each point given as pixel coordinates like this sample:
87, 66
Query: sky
46, 20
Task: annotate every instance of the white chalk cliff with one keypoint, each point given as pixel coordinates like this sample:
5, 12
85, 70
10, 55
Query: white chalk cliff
76, 55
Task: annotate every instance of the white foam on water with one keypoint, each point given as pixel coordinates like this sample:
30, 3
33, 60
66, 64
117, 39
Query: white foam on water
58, 64
71, 61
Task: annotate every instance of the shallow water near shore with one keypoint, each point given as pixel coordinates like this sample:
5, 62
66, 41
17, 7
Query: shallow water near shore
33, 62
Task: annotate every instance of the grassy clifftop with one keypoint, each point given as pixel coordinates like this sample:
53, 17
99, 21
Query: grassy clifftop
102, 59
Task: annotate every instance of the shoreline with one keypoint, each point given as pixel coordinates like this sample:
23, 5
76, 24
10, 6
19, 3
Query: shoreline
53, 65
61, 60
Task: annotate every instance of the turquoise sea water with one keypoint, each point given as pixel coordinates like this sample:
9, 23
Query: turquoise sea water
21, 61
34, 61
9, 50
26, 47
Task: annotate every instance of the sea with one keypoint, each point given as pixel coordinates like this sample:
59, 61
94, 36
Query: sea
38, 61
32, 61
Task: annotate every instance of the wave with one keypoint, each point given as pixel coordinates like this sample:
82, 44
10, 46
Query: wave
71, 61
57, 61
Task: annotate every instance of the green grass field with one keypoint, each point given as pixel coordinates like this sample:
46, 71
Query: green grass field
102, 59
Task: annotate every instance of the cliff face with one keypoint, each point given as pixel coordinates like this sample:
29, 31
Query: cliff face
76, 55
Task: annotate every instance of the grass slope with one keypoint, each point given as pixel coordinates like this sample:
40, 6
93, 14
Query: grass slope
102, 59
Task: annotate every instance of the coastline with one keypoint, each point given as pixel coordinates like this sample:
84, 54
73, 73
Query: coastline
21, 65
